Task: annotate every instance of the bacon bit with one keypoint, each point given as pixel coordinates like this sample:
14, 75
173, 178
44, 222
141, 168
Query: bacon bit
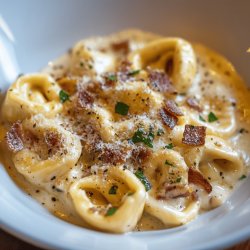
53, 140
168, 119
194, 135
84, 99
93, 87
160, 81
124, 67
172, 108
14, 137
113, 155
68, 84
173, 192
122, 46
140, 155
193, 103
197, 178
108, 82
123, 70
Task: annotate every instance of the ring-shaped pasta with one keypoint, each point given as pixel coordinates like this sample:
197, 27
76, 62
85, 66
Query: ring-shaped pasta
218, 156
31, 94
54, 151
159, 52
128, 201
168, 166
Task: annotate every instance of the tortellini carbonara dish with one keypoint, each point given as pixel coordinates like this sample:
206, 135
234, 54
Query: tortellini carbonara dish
132, 131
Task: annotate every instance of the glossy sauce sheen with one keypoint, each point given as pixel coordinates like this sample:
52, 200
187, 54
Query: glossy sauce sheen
214, 77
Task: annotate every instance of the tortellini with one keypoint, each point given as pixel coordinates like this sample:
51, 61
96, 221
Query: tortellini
129, 132
168, 175
49, 150
220, 160
32, 94
113, 204
175, 51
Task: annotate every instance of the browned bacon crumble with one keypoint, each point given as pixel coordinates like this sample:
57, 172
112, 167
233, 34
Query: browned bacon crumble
113, 154
194, 135
167, 118
140, 154
160, 81
172, 108
14, 137
84, 99
197, 178
53, 140
193, 103
171, 191
122, 46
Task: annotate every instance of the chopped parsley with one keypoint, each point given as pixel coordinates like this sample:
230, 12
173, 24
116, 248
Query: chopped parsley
64, 96
168, 163
111, 211
133, 72
121, 108
169, 146
160, 132
139, 174
212, 117
242, 177
113, 189
141, 136
201, 118
112, 78
178, 180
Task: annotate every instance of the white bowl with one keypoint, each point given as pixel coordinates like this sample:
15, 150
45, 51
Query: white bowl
45, 29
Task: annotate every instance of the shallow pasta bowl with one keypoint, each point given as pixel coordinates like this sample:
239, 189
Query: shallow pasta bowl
43, 30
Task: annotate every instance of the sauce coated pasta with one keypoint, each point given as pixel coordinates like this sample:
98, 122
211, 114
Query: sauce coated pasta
132, 131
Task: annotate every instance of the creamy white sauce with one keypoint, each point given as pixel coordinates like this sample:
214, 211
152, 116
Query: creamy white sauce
213, 76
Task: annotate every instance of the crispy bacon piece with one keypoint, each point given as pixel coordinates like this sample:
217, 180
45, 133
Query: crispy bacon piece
194, 135
140, 154
172, 108
197, 178
84, 99
113, 155
170, 191
167, 118
123, 71
160, 81
53, 140
14, 137
193, 103
68, 84
122, 46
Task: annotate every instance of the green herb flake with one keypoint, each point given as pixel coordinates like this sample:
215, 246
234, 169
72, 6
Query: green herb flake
112, 78
139, 174
64, 96
113, 189
242, 177
169, 146
130, 193
111, 211
212, 117
141, 136
160, 132
178, 180
168, 163
121, 108
201, 118
134, 72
